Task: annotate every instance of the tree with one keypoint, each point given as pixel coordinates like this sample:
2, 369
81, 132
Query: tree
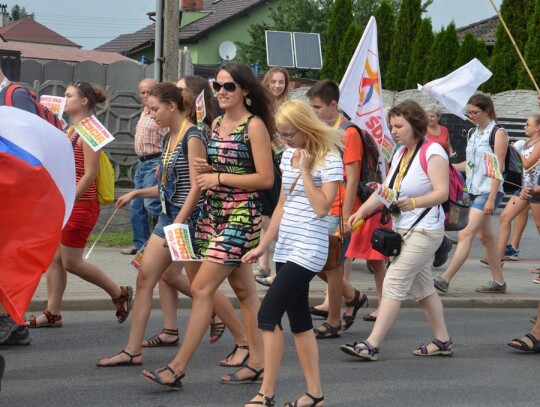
384, 14
532, 51
442, 57
348, 46
407, 26
254, 52
364, 9
471, 48
430, 70
18, 12
340, 17
505, 63
420, 51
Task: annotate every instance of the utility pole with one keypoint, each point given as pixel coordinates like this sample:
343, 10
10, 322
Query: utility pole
171, 38
158, 47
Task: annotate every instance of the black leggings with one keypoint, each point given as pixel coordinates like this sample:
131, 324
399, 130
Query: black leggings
289, 293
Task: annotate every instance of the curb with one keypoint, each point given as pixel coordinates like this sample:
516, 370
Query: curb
465, 301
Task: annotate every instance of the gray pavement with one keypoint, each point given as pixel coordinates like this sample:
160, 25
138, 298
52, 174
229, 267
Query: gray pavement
522, 292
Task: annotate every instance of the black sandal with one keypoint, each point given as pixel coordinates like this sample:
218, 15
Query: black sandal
357, 302
266, 401
216, 329
314, 403
231, 355
329, 331
443, 348
234, 379
156, 341
128, 363
524, 346
176, 385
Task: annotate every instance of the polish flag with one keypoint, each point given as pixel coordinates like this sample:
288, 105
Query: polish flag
37, 190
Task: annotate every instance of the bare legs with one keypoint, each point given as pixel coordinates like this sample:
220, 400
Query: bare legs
483, 226
513, 210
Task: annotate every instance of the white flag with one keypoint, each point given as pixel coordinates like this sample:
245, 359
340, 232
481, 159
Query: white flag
456, 88
361, 91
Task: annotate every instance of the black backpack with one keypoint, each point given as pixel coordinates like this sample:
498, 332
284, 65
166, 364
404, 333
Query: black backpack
369, 171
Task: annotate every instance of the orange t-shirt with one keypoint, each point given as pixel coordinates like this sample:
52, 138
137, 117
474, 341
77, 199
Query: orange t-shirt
441, 138
352, 152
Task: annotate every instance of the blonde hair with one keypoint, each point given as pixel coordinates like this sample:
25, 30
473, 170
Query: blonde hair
266, 83
320, 138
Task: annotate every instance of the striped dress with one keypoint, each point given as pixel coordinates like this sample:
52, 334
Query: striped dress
229, 224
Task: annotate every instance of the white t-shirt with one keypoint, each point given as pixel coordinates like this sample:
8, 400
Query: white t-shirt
303, 237
416, 183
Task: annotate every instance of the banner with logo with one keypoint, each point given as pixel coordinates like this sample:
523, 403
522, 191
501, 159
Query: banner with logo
93, 132
361, 92
384, 194
492, 168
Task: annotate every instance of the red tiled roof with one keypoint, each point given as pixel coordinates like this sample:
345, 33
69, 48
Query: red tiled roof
482, 30
68, 54
219, 12
29, 30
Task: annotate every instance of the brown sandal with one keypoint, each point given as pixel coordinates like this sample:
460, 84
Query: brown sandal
156, 341
216, 329
123, 303
53, 321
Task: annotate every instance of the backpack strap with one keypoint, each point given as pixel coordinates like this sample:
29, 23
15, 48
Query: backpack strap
9, 93
423, 154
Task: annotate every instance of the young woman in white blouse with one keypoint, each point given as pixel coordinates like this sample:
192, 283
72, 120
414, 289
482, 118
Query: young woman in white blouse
410, 271
312, 169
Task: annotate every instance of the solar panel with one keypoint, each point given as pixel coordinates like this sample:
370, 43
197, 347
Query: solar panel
307, 47
279, 49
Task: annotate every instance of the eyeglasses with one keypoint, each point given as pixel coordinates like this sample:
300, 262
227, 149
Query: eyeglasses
228, 86
473, 112
528, 125
288, 136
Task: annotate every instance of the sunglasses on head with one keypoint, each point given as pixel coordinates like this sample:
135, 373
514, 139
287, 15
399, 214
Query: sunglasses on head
228, 86
79, 84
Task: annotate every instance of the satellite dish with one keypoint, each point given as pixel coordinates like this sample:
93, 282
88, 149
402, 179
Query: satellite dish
227, 50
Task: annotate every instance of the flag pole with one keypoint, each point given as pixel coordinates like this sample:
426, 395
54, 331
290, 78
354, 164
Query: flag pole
516, 47
102, 230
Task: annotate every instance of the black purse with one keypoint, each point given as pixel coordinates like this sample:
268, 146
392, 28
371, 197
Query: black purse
385, 240
269, 197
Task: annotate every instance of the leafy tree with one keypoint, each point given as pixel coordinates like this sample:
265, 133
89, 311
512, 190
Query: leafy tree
420, 51
471, 48
363, 10
443, 53
532, 51
505, 63
348, 46
255, 50
340, 17
18, 12
407, 26
384, 14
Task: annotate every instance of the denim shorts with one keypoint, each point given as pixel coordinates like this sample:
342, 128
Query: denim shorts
333, 225
166, 219
531, 201
479, 201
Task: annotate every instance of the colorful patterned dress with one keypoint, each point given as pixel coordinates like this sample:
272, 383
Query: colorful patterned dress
229, 224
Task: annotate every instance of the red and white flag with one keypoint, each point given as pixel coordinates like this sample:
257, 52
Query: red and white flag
361, 91
37, 190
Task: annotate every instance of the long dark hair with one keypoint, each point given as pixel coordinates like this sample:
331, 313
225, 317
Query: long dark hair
485, 103
167, 92
196, 85
260, 101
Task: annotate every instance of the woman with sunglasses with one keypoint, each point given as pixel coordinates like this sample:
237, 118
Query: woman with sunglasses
172, 281
486, 194
181, 200
81, 101
312, 169
230, 220
419, 218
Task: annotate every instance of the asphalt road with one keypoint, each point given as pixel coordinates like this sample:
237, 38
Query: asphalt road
58, 368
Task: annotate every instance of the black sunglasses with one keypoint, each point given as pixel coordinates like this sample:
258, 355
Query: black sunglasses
228, 86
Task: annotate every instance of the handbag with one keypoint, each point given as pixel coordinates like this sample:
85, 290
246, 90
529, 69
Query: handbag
335, 242
457, 216
269, 197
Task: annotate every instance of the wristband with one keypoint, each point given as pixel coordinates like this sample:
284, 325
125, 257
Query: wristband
413, 203
219, 178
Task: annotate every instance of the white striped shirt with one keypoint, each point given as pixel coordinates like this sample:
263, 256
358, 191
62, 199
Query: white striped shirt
303, 237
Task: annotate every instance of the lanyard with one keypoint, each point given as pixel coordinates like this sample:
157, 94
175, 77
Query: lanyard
403, 167
337, 123
168, 154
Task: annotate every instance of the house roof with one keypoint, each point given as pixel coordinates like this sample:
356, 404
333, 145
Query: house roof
71, 54
219, 12
484, 30
29, 30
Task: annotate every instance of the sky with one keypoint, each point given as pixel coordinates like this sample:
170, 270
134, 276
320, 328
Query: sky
95, 22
